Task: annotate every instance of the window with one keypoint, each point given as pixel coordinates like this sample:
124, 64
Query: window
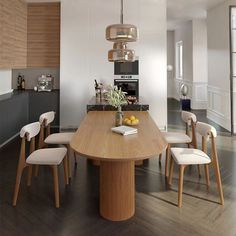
179, 60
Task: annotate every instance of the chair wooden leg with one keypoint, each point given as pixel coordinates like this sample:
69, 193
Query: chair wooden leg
29, 175
17, 185
75, 159
207, 174
36, 171
167, 160
69, 167
218, 180
69, 150
181, 179
160, 157
171, 170
65, 165
56, 186
199, 171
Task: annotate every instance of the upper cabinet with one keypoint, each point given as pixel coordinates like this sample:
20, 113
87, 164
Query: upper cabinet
20, 52
13, 28
43, 33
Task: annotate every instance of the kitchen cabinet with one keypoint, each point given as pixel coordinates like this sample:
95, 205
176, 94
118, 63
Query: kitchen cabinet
41, 102
13, 27
43, 43
14, 115
23, 107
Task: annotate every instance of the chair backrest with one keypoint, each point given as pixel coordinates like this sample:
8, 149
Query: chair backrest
187, 117
190, 120
207, 132
30, 131
47, 118
45, 121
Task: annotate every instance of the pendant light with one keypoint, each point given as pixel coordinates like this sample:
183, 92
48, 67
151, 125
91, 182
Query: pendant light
120, 34
120, 53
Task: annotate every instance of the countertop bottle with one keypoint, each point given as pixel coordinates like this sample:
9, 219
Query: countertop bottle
23, 84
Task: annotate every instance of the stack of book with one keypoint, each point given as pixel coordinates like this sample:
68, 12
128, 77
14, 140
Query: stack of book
124, 130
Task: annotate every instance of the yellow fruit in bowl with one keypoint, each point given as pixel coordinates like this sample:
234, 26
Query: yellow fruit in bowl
132, 118
126, 119
128, 122
135, 122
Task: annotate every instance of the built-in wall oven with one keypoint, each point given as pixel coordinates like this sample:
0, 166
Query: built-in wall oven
126, 77
126, 70
130, 86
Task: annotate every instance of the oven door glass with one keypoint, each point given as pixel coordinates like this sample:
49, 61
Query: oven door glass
130, 87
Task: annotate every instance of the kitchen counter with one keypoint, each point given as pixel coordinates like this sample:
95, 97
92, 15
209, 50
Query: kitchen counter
15, 93
102, 105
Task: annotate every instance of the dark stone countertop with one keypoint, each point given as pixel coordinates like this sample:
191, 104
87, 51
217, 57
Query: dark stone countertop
102, 105
16, 93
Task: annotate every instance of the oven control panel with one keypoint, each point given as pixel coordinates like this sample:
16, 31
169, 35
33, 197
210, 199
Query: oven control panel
126, 77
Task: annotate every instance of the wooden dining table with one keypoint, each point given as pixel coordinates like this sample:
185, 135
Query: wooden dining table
117, 155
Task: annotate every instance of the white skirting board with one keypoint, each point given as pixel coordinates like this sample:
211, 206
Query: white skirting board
9, 140
6, 92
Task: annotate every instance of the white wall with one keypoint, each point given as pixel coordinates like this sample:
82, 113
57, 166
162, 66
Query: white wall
84, 53
200, 64
200, 59
170, 61
5, 81
184, 33
193, 34
219, 64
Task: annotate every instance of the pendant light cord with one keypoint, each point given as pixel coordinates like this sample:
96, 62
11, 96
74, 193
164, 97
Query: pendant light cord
122, 13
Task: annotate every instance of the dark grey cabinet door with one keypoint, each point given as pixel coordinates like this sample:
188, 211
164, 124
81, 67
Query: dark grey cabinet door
13, 116
41, 102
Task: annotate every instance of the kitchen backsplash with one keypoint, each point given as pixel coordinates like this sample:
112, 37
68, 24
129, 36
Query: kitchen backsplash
31, 75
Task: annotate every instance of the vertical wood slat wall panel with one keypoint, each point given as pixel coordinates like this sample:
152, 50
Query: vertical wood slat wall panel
20, 59
7, 34
13, 40
43, 43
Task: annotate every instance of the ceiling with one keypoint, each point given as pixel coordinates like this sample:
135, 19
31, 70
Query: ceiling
183, 10
178, 11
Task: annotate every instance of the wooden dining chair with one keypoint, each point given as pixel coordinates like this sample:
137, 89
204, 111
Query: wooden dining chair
46, 138
48, 157
190, 156
174, 138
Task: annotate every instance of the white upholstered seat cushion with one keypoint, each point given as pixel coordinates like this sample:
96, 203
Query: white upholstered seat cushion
175, 137
189, 156
47, 156
59, 138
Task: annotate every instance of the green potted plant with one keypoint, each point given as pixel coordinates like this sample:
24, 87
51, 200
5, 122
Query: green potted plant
117, 98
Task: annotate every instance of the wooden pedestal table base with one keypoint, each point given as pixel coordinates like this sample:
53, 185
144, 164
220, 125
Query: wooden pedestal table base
117, 155
117, 190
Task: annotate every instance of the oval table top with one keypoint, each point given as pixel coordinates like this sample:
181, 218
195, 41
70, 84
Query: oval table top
94, 138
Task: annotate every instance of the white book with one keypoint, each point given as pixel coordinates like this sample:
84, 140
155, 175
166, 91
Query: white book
124, 130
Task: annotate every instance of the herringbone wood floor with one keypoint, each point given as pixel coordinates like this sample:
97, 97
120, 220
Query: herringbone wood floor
156, 211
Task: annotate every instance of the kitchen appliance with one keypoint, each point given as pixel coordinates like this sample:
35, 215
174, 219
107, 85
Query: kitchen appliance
126, 70
45, 83
129, 86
